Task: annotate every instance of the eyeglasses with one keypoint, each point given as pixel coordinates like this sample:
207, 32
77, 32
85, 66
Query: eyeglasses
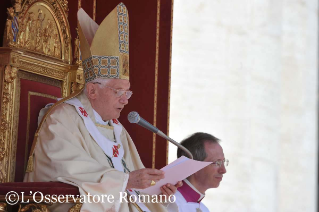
118, 92
219, 163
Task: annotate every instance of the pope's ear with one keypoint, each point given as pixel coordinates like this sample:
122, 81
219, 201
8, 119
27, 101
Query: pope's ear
91, 90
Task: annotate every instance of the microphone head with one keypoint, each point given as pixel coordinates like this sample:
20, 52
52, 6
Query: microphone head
133, 117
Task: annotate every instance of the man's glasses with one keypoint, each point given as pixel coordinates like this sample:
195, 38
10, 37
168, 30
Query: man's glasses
219, 163
118, 92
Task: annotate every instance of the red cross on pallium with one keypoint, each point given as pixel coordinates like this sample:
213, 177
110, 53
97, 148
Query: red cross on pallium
115, 121
115, 151
84, 113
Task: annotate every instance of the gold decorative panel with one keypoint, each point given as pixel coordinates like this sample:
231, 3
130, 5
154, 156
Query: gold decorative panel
40, 26
39, 31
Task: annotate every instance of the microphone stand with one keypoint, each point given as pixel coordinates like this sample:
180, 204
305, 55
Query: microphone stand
160, 133
135, 118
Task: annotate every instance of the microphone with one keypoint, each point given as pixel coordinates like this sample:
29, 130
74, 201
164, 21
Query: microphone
134, 117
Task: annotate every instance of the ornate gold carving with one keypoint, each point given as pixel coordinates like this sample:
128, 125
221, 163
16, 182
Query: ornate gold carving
8, 33
34, 208
39, 32
79, 83
3, 207
67, 47
14, 60
10, 74
17, 6
76, 208
47, 71
6, 124
76, 87
79, 76
38, 78
66, 86
64, 4
43, 27
14, 124
77, 51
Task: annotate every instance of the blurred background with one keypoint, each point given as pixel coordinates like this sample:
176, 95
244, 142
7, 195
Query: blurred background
247, 72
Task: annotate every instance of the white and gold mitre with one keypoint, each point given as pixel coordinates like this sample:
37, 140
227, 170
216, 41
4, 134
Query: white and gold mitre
105, 48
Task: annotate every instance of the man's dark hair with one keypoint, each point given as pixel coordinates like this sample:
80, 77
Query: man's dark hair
195, 144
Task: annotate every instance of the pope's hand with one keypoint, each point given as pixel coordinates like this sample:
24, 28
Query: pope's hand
142, 178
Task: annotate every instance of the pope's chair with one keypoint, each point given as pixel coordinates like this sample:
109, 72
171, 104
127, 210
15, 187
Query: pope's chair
23, 94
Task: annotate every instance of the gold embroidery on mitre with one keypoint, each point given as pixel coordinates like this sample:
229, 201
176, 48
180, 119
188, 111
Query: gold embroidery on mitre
101, 56
105, 67
125, 65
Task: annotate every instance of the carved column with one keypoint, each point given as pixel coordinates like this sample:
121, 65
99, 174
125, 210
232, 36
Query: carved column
6, 126
66, 85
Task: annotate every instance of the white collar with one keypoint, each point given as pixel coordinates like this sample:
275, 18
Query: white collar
193, 187
99, 119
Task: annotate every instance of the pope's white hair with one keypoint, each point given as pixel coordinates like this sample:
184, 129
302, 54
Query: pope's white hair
103, 82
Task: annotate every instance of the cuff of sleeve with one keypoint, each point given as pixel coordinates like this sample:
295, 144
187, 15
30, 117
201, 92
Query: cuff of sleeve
125, 181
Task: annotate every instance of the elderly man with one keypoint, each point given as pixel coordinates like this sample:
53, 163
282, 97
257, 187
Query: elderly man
204, 147
80, 140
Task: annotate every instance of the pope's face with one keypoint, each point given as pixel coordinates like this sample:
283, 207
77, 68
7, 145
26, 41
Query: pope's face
211, 175
109, 106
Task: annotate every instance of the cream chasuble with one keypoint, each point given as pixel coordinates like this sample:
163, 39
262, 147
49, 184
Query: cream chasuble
66, 152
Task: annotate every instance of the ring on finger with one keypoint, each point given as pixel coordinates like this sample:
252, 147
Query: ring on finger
153, 183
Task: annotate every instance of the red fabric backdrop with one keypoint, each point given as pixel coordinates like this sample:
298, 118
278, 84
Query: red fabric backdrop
32, 107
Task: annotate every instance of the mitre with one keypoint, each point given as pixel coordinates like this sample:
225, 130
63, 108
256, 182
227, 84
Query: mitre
105, 48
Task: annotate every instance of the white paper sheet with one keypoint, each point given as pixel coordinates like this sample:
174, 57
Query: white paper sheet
176, 171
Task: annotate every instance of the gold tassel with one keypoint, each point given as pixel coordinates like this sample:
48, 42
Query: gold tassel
30, 164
